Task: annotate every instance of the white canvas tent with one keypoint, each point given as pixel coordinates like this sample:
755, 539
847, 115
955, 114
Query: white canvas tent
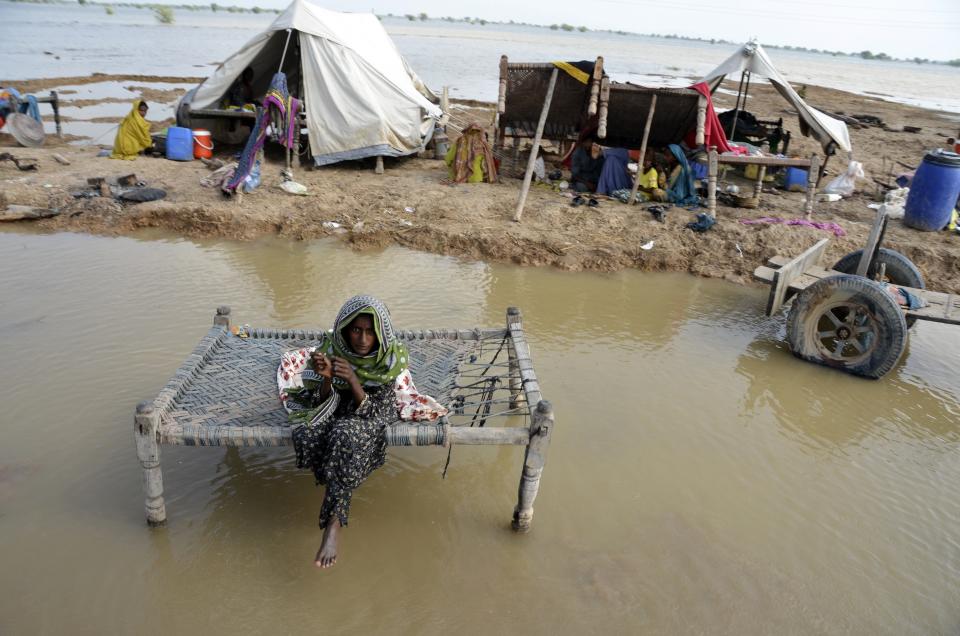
752, 59
361, 99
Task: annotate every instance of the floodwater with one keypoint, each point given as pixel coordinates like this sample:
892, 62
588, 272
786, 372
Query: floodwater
64, 40
700, 479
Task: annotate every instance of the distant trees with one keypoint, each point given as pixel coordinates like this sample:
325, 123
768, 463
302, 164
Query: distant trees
423, 17
164, 15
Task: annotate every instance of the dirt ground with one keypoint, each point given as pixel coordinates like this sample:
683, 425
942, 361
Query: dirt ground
413, 205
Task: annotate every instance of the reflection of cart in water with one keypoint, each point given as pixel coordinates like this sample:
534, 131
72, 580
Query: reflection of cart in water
848, 316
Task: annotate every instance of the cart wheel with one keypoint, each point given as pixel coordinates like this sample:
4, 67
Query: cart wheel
849, 323
900, 270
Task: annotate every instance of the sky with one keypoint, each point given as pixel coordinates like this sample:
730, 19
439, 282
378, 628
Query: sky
905, 29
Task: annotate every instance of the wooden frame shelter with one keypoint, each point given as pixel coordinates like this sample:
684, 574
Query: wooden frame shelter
225, 394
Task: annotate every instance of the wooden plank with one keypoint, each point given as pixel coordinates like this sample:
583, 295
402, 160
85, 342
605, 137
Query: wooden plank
780, 162
764, 274
873, 242
643, 151
535, 150
784, 276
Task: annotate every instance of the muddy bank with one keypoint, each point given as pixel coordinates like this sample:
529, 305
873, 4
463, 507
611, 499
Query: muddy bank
413, 205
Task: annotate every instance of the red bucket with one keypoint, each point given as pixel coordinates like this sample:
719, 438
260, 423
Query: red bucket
202, 144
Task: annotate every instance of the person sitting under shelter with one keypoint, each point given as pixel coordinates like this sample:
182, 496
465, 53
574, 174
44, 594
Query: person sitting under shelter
241, 91
585, 166
649, 180
614, 175
470, 159
133, 136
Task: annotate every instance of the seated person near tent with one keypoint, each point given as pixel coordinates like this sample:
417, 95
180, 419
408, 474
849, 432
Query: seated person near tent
614, 175
241, 92
650, 181
585, 166
133, 136
470, 159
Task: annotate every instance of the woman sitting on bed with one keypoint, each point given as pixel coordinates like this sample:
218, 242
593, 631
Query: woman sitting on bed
341, 395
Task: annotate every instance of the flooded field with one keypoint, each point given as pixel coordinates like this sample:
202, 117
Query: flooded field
700, 479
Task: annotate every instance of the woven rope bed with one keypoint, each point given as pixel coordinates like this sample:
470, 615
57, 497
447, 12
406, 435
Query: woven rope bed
225, 394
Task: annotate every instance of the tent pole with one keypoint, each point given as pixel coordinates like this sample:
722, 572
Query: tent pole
643, 151
284, 56
535, 150
736, 108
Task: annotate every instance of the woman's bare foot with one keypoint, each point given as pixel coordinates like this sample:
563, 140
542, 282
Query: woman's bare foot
327, 554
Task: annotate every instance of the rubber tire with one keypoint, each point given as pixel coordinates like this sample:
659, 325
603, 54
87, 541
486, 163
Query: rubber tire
802, 323
900, 270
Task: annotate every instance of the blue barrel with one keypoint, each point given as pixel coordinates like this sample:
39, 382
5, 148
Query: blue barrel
934, 192
795, 180
179, 144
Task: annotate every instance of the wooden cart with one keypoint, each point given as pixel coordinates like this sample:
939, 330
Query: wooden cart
847, 316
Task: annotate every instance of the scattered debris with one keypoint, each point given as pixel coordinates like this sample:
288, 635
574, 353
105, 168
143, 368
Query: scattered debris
26, 213
22, 164
63, 161
647, 246
292, 187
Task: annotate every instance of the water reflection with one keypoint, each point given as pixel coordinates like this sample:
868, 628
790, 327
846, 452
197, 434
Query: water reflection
754, 492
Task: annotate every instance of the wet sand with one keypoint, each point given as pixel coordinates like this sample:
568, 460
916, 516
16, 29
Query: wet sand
474, 221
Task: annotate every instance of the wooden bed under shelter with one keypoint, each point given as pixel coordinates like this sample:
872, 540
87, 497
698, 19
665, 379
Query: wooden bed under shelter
225, 394
564, 98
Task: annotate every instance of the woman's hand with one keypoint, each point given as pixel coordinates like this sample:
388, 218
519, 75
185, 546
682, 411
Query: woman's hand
343, 370
322, 365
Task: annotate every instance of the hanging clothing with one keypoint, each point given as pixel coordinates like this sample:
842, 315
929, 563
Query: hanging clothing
470, 159
681, 189
614, 175
133, 136
279, 113
340, 441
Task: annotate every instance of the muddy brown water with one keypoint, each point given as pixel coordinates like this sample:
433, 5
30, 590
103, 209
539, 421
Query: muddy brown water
700, 480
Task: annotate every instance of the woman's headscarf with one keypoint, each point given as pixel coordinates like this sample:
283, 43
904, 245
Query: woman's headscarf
385, 362
133, 135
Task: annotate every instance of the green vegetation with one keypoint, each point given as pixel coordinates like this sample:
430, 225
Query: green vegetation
423, 16
108, 10
163, 14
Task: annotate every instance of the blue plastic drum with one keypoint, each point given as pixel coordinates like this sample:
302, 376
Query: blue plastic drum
934, 192
179, 144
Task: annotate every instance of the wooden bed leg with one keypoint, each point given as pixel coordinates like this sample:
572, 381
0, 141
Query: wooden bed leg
712, 168
758, 186
146, 431
517, 397
379, 167
813, 176
541, 423
55, 102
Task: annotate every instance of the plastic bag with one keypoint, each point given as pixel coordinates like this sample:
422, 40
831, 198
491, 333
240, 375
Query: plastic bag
845, 183
893, 203
252, 181
539, 170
